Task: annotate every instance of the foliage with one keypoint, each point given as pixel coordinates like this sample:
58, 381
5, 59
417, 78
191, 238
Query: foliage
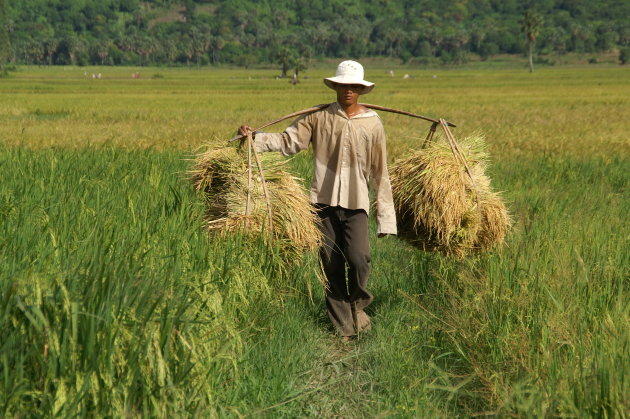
113, 305
197, 31
5, 44
531, 24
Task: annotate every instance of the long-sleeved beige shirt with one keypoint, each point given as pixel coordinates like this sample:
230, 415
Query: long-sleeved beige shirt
348, 154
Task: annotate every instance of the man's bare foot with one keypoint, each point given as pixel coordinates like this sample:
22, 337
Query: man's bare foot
364, 323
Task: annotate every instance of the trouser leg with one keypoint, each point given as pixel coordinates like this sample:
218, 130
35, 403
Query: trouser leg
345, 245
357, 252
333, 263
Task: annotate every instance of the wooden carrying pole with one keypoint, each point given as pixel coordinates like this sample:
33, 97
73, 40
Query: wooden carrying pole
249, 175
275, 121
251, 151
459, 156
415, 115
320, 107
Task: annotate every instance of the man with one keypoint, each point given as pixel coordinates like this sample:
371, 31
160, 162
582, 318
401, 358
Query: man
349, 152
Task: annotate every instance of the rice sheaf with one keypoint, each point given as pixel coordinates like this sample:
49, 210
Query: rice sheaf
221, 176
440, 208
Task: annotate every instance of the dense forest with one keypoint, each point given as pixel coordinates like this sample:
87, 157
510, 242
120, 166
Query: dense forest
290, 32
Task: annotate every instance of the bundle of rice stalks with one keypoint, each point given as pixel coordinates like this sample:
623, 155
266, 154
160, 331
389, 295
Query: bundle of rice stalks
440, 208
221, 176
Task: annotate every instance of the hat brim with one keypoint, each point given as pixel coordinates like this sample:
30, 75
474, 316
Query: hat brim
332, 81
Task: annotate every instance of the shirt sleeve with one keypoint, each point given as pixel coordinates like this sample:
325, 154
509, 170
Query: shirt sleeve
385, 213
294, 139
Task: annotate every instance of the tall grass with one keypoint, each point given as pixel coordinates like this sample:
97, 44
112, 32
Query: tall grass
114, 301
543, 327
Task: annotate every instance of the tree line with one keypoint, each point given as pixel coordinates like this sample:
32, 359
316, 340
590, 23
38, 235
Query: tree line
290, 32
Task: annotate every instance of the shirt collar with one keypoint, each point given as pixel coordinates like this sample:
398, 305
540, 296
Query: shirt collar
367, 114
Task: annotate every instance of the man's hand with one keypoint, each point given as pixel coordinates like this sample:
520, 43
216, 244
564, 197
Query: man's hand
245, 129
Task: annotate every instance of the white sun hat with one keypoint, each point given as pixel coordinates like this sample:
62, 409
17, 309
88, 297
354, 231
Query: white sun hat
349, 72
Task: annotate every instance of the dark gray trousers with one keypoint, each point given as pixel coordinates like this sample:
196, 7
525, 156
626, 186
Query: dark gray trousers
346, 248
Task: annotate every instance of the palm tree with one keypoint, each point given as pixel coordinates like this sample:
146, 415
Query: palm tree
301, 64
285, 57
530, 25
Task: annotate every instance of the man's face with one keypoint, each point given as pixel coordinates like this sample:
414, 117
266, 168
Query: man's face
348, 94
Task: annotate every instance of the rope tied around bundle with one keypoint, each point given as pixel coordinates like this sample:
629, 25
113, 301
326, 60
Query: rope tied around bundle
252, 151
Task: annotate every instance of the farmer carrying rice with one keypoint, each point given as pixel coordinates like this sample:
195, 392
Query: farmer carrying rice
349, 151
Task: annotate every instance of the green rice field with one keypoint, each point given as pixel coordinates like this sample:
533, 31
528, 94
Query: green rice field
116, 303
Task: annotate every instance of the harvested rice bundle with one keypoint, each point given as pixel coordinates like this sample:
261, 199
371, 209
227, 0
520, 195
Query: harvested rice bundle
221, 175
439, 207
495, 221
